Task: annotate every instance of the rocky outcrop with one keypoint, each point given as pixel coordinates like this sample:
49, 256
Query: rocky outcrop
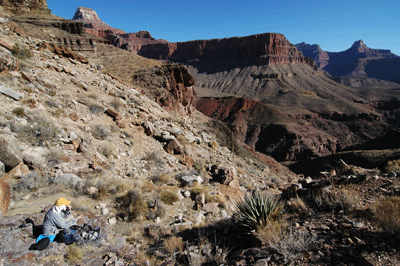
177, 93
93, 25
21, 7
315, 52
128, 41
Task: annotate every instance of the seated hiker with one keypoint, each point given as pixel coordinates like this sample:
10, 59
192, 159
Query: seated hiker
58, 217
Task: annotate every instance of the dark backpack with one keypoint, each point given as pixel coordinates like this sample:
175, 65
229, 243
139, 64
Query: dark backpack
41, 244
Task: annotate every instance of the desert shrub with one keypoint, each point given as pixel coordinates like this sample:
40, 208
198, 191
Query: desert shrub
106, 149
95, 109
345, 200
172, 244
297, 205
38, 133
131, 205
272, 232
336, 199
53, 157
163, 178
393, 166
19, 111
58, 112
32, 181
168, 195
387, 213
51, 93
21, 53
255, 210
293, 244
153, 157
147, 186
116, 103
100, 132
52, 104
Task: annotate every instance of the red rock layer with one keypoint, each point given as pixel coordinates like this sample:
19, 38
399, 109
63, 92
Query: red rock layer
273, 47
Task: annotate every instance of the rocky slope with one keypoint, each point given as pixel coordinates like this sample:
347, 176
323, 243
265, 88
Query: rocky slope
353, 63
162, 184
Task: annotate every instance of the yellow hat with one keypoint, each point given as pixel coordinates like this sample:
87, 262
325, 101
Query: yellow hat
62, 201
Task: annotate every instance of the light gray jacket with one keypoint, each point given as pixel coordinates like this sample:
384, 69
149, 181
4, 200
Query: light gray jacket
56, 220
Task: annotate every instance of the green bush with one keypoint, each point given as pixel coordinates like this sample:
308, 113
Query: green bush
255, 210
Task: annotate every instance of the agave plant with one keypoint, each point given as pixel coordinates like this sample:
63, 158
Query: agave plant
255, 210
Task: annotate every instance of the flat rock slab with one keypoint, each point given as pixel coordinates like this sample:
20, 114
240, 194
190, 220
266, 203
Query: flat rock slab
11, 93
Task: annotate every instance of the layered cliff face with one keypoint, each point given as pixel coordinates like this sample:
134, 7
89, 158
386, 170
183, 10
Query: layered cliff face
267, 48
21, 7
351, 62
119, 38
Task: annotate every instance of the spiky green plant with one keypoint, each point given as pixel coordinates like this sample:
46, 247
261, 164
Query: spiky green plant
255, 210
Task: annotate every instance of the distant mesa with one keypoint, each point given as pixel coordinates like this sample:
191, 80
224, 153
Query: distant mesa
354, 61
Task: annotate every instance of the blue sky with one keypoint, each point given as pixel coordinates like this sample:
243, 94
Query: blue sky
335, 25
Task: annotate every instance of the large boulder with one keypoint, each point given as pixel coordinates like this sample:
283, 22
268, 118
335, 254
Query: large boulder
10, 151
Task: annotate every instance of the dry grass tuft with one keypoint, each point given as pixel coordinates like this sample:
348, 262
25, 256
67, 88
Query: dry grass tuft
272, 232
168, 195
387, 213
106, 149
292, 244
19, 111
75, 253
173, 244
164, 179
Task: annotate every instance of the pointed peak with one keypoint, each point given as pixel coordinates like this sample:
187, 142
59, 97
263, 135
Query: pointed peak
359, 44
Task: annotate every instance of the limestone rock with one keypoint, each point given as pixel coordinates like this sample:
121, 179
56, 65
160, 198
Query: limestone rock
191, 180
10, 93
10, 152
